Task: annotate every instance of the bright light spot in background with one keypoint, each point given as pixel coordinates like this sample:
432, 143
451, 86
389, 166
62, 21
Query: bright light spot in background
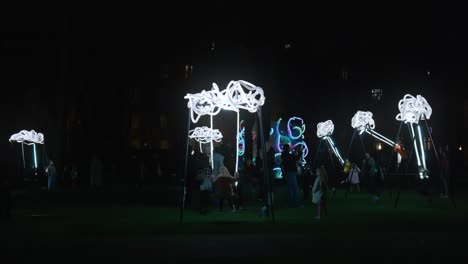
377, 93
460, 148
379, 146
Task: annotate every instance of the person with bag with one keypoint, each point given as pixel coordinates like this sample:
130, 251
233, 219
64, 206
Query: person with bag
319, 191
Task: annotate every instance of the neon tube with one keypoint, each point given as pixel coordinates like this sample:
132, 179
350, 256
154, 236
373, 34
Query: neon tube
415, 145
380, 137
422, 148
386, 139
35, 156
211, 142
237, 142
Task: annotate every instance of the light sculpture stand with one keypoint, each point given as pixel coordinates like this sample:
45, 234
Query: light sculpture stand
238, 95
28, 138
412, 111
324, 132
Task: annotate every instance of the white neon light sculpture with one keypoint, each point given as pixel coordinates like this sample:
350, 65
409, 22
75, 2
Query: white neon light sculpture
324, 131
362, 121
205, 135
233, 98
28, 138
412, 110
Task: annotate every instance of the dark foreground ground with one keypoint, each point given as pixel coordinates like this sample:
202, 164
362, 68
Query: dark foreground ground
137, 225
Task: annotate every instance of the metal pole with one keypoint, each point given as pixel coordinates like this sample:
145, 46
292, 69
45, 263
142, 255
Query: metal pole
22, 151
350, 144
432, 140
452, 198
237, 143
265, 166
406, 168
184, 186
362, 144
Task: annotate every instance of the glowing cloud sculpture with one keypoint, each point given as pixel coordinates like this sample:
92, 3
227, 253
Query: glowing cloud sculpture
27, 137
412, 110
324, 131
205, 135
232, 98
237, 95
362, 121
294, 137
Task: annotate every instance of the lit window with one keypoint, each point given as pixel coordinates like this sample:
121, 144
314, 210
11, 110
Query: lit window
377, 94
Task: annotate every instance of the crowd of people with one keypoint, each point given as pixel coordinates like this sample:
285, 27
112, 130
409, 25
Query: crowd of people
215, 181
215, 184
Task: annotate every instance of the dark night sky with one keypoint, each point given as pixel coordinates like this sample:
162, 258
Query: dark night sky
92, 54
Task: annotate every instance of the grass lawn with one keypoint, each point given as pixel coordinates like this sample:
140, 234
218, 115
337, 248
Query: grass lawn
355, 226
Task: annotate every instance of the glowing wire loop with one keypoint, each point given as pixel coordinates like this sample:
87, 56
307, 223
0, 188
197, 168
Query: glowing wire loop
205, 134
27, 137
233, 98
412, 109
325, 129
362, 120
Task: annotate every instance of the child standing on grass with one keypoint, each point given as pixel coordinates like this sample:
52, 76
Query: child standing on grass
319, 192
353, 177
